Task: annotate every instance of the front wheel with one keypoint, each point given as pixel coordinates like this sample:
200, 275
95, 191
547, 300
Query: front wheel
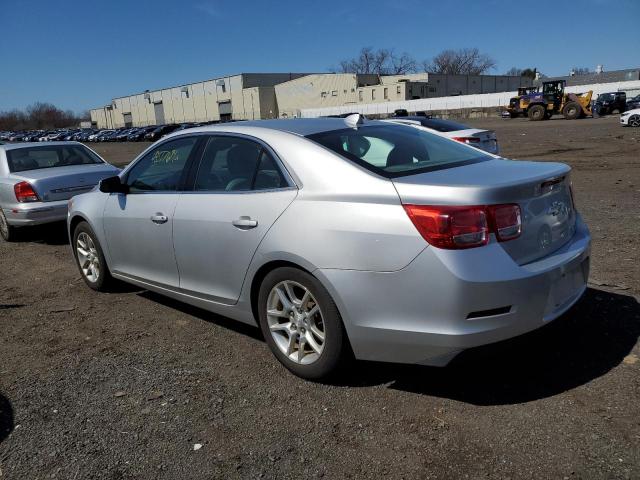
537, 113
634, 121
301, 323
571, 111
90, 259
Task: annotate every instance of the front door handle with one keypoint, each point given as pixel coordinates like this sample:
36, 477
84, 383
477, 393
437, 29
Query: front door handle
159, 218
245, 223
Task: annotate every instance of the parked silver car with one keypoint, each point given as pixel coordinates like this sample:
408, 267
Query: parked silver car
36, 181
341, 235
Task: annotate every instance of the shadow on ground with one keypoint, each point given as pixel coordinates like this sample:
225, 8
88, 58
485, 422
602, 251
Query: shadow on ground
50, 234
6, 418
583, 344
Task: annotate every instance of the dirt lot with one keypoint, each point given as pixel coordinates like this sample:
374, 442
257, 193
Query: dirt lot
124, 385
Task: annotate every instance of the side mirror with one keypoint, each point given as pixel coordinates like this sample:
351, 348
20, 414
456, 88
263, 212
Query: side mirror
113, 185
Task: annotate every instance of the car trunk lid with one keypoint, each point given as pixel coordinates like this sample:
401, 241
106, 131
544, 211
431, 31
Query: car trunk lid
541, 189
62, 183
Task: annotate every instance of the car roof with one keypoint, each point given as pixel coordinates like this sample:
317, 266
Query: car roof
298, 126
15, 146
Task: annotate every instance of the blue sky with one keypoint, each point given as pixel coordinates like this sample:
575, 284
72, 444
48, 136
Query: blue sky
79, 54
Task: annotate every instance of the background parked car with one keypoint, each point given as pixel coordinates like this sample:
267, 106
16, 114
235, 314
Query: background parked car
631, 118
633, 103
483, 139
161, 131
36, 181
612, 102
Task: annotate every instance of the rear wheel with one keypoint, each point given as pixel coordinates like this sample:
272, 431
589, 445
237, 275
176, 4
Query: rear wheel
301, 323
8, 232
536, 113
90, 258
634, 121
571, 111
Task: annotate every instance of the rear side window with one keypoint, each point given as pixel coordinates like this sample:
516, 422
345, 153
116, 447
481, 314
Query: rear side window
35, 158
397, 150
237, 164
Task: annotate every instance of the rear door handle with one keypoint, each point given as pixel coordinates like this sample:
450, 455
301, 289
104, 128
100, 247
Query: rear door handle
159, 218
245, 223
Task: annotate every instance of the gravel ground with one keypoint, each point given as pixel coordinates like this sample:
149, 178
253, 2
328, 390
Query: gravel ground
133, 385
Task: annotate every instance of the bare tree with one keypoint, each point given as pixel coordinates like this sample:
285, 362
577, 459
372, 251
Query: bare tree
38, 116
382, 62
466, 61
581, 70
514, 71
527, 72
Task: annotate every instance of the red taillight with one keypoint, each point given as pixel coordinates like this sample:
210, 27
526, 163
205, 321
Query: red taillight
454, 227
25, 193
470, 140
506, 221
450, 227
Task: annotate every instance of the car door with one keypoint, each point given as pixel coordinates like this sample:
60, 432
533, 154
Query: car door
138, 225
239, 191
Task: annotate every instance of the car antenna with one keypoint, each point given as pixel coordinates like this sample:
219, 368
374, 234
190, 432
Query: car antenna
354, 120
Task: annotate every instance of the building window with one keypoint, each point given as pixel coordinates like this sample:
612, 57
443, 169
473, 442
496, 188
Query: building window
334, 93
352, 90
373, 94
386, 93
432, 89
323, 95
345, 91
360, 95
398, 90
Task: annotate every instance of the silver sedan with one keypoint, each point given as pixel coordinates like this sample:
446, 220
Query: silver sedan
36, 181
341, 237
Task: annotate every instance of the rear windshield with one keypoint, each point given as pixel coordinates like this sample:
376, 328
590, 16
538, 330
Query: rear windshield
440, 125
397, 150
49, 156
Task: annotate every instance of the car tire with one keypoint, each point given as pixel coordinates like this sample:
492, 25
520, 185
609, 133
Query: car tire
634, 121
90, 258
7, 232
324, 340
571, 111
536, 113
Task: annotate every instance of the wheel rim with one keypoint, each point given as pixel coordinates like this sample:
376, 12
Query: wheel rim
88, 257
295, 322
634, 121
4, 227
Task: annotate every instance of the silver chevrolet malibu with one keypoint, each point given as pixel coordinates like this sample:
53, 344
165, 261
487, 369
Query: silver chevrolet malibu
341, 237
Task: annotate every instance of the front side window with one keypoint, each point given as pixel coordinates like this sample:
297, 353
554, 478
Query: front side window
35, 158
397, 150
231, 164
161, 169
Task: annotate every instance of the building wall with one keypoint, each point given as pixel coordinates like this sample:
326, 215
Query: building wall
315, 91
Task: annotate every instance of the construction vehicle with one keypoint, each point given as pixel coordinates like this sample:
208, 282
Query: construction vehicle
551, 101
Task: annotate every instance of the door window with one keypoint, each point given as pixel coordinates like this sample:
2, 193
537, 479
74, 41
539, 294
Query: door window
232, 164
161, 169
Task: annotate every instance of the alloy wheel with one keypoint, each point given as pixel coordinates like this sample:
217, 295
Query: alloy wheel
634, 121
88, 258
295, 321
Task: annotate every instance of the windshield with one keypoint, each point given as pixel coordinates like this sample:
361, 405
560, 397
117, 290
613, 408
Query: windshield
397, 150
50, 156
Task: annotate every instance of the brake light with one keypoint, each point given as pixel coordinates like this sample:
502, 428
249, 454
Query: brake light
454, 227
25, 193
507, 222
467, 140
450, 227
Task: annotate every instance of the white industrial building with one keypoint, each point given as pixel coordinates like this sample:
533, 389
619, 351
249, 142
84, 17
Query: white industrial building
251, 96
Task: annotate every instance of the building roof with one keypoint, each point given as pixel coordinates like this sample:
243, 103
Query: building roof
591, 78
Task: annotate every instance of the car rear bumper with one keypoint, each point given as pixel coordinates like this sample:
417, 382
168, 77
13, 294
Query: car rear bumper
447, 301
36, 213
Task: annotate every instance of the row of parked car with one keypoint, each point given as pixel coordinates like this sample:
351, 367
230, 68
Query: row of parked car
125, 134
